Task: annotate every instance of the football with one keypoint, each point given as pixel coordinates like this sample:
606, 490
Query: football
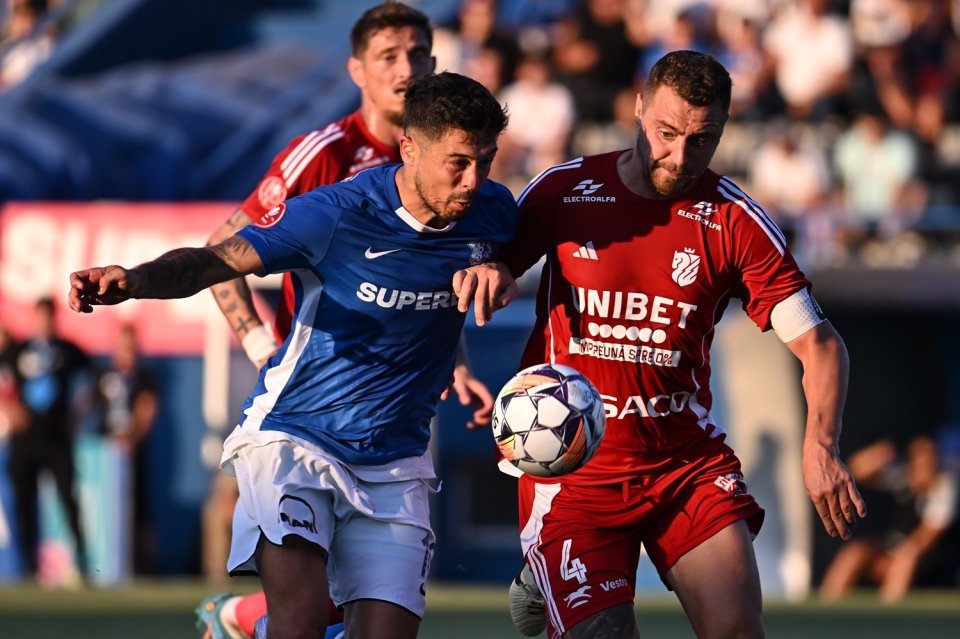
548, 420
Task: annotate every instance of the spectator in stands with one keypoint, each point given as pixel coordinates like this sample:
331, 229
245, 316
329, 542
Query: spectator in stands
125, 400
922, 545
740, 49
811, 52
518, 16
932, 57
877, 167
593, 138
681, 33
880, 28
793, 178
12, 416
26, 41
476, 41
49, 370
542, 118
595, 57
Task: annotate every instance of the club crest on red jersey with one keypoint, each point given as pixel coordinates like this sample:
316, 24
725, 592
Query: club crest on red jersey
272, 216
272, 191
686, 265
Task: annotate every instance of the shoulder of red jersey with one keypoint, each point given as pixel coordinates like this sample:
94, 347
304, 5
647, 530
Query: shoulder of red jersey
305, 149
582, 176
286, 175
719, 191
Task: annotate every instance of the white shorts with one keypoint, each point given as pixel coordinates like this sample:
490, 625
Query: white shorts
377, 534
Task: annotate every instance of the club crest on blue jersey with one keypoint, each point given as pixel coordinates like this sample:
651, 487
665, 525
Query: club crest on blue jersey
480, 252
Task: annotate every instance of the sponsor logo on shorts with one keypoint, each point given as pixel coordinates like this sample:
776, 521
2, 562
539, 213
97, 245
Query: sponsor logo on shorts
614, 584
731, 483
578, 597
296, 513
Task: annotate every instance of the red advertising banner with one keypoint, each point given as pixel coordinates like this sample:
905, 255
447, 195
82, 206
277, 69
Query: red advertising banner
42, 243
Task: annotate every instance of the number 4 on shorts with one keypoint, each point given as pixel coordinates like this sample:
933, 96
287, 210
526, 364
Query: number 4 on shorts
572, 568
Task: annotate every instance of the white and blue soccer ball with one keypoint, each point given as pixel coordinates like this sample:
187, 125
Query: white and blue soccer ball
548, 420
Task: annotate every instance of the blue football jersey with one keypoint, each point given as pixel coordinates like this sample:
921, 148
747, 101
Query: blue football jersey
376, 325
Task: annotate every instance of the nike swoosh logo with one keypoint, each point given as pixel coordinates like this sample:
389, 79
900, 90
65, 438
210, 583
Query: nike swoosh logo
370, 254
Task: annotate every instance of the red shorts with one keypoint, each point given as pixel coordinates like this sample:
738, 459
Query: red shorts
583, 542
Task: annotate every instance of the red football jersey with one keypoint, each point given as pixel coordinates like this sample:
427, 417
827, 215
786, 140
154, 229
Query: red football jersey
630, 293
323, 156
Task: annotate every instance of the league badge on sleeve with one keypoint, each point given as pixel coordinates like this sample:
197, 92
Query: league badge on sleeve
272, 216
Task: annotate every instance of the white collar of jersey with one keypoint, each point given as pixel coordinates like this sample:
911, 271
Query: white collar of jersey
412, 222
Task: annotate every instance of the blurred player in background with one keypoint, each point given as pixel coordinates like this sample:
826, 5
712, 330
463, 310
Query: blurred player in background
49, 371
922, 542
126, 402
331, 458
645, 248
391, 45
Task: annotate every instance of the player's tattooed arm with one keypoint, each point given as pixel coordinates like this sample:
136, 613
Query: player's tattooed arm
185, 271
178, 273
234, 297
617, 622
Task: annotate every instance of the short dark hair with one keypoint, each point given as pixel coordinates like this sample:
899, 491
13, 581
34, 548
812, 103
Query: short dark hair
697, 77
387, 15
435, 104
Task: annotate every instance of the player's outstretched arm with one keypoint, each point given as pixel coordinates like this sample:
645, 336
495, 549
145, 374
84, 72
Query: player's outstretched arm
236, 301
178, 273
489, 286
828, 481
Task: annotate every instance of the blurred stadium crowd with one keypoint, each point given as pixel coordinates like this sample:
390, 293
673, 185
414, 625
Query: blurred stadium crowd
846, 114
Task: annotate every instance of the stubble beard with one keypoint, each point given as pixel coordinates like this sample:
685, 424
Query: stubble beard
667, 186
434, 208
418, 184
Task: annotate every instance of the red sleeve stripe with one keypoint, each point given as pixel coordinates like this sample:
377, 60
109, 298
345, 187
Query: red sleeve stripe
571, 164
733, 193
303, 153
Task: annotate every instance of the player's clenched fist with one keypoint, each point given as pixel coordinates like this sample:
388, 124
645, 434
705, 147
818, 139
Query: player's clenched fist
100, 286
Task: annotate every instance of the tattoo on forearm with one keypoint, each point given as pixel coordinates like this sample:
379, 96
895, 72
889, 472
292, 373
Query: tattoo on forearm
234, 297
177, 273
238, 220
232, 249
243, 325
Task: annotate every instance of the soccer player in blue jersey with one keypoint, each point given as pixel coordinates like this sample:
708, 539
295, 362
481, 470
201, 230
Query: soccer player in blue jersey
331, 457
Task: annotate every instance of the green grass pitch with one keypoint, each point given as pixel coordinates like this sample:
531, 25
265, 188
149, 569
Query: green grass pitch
164, 610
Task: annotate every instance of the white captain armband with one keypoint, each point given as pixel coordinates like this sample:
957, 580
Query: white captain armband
259, 344
796, 315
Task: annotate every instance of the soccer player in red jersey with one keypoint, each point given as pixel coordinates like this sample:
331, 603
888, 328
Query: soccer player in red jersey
645, 247
391, 45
